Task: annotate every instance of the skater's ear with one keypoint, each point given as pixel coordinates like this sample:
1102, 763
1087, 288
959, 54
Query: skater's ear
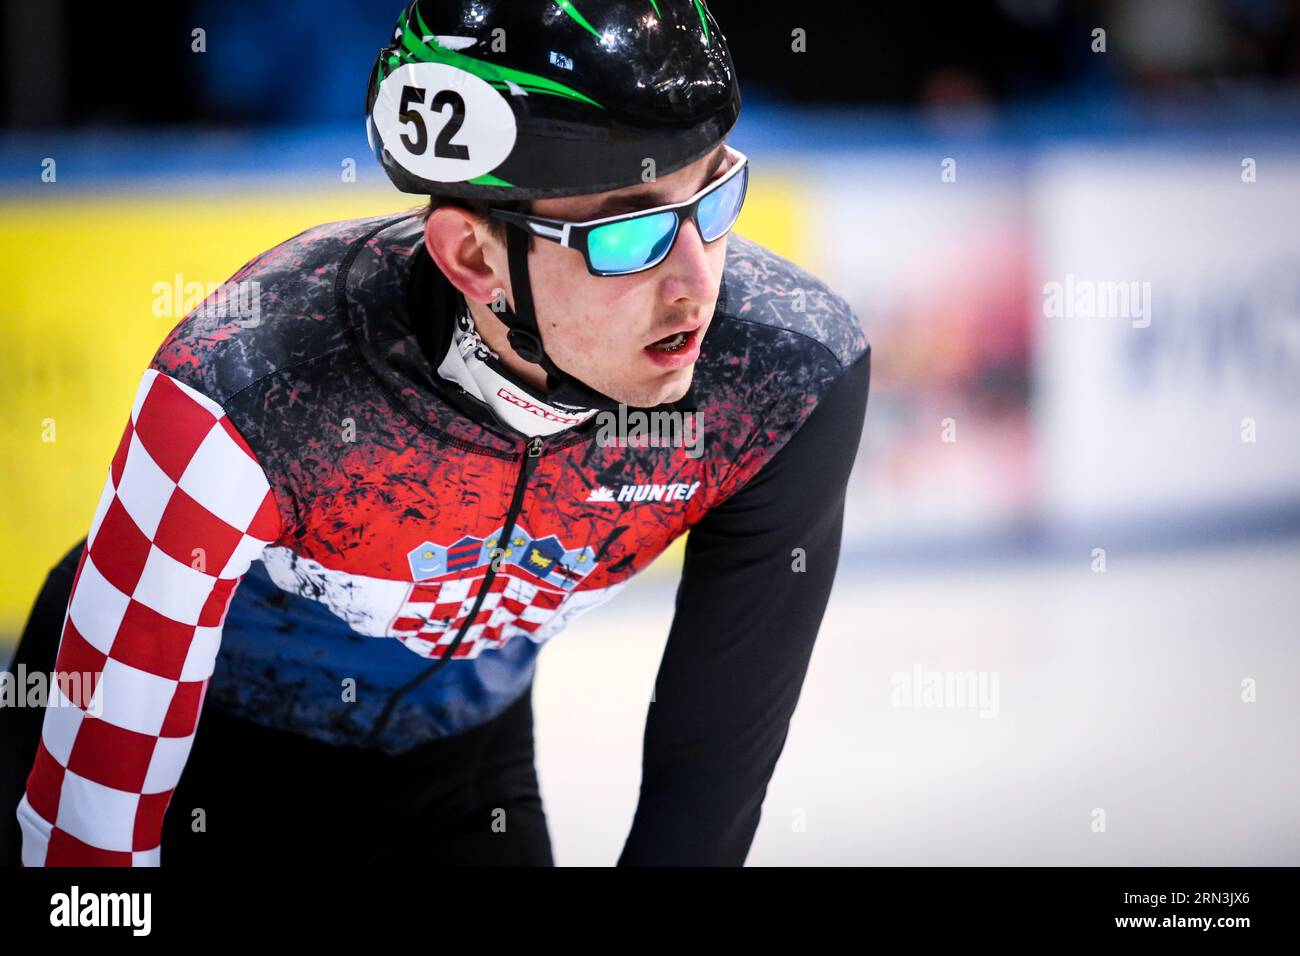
468, 246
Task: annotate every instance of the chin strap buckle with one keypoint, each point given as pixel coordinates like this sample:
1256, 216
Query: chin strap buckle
526, 345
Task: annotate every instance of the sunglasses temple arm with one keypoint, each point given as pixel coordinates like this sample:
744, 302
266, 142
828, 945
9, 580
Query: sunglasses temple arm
553, 229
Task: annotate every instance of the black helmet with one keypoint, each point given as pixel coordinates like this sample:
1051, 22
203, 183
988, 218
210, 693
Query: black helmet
547, 98
536, 99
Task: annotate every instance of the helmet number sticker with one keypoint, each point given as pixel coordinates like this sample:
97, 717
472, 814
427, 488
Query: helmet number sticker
443, 124
444, 147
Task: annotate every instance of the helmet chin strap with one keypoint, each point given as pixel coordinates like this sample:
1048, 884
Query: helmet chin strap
525, 336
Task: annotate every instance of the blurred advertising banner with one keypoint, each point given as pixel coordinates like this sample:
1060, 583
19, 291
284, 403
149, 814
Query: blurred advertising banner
1168, 371
934, 254
1067, 339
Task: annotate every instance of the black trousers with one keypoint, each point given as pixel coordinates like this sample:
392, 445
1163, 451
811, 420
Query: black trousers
250, 794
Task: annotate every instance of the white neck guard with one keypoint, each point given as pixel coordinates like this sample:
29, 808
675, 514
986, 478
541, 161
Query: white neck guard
470, 364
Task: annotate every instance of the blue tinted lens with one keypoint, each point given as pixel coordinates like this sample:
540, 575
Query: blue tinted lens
719, 209
631, 244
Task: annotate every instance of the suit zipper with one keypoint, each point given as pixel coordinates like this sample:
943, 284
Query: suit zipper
532, 452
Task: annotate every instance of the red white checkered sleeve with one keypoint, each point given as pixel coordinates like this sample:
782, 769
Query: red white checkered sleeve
185, 510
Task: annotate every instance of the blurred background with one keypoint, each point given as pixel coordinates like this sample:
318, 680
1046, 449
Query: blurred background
1070, 230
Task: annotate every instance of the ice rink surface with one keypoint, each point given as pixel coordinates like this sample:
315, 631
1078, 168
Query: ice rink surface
1111, 700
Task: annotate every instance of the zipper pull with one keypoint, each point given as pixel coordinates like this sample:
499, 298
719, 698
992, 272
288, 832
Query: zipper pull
535, 447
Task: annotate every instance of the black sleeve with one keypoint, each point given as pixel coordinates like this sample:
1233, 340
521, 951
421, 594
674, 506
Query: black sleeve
741, 639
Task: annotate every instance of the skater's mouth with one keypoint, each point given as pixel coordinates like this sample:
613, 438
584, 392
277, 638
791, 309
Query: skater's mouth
677, 349
680, 338
672, 343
